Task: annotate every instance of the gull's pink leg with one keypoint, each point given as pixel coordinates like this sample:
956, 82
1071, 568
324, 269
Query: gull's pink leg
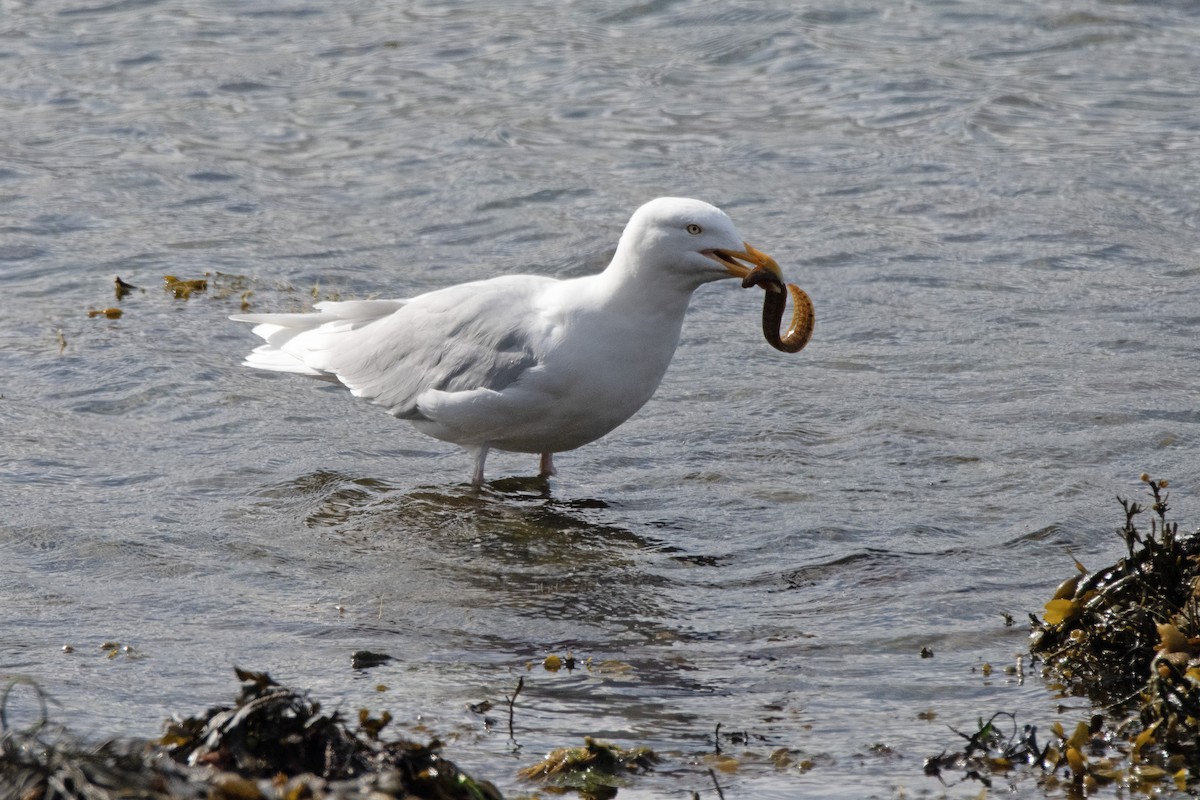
479, 454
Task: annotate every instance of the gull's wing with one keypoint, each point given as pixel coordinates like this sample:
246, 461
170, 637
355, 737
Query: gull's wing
481, 335
287, 335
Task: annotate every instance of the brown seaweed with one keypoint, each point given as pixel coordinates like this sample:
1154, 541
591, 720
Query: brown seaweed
1127, 637
273, 742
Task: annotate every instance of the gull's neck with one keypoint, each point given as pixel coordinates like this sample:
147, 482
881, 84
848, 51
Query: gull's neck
632, 283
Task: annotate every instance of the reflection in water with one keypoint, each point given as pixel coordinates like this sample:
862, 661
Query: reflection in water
509, 574
508, 547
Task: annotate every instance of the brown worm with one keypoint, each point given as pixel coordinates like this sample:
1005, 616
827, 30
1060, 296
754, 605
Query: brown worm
801, 328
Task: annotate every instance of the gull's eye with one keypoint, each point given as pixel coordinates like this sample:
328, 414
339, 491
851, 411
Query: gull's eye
694, 229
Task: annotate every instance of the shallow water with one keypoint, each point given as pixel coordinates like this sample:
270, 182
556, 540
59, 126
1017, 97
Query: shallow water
993, 208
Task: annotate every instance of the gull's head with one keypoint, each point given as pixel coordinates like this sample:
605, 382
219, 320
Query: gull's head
690, 241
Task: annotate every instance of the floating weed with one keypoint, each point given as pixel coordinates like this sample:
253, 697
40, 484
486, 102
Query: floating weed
554, 662
227, 284
997, 745
224, 287
595, 770
219, 285
722, 762
183, 289
319, 294
123, 289
570, 662
113, 649
610, 667
789, 758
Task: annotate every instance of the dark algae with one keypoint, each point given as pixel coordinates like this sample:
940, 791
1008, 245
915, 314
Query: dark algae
273, 742
1127, 638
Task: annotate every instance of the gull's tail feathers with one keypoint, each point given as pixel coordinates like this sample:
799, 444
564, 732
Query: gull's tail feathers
297, 343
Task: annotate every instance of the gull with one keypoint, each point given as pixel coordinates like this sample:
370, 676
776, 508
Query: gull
523, 363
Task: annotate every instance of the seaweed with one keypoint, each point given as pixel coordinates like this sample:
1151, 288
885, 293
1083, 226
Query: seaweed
122, 289
44, 762
1127, 638
1100, 633
595, 770
273, 742
183, 289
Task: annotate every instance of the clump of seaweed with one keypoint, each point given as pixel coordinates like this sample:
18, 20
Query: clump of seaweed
44, 762
1101, 633
273, 729
595, 770
1094, 753
998, 747
183, 289
272, 743
1128, 638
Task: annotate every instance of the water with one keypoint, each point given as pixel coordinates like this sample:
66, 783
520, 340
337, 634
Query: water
992, 206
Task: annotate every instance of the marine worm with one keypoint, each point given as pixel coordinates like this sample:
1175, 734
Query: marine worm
774, 303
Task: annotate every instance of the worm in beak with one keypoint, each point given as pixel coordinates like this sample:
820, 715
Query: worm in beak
767, 274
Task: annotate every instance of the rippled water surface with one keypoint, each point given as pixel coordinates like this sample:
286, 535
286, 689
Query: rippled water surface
993, 206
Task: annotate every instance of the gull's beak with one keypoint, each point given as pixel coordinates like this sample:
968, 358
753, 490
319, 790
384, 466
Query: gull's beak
758, 261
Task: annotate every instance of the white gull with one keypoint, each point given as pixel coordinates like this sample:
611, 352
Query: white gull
524, 363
